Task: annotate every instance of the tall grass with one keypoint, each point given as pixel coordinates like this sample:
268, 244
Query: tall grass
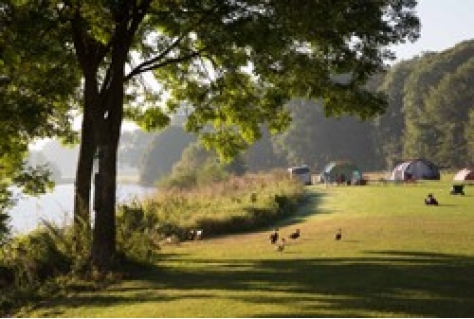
235, 205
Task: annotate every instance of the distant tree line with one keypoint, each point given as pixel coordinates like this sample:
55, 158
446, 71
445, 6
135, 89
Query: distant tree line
431, 109
430, 115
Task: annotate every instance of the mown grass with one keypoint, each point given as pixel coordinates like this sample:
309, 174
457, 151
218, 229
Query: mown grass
397, 258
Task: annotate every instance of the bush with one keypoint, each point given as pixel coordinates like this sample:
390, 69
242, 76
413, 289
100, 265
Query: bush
137, 235
4, 229
29, 261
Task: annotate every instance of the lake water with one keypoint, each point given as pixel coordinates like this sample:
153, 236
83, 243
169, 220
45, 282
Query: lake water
58, 206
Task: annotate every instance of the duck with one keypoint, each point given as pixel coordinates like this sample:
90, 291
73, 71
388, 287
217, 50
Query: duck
281, 246
295, 234
274, 237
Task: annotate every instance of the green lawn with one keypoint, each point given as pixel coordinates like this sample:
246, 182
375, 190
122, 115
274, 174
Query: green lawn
397, 258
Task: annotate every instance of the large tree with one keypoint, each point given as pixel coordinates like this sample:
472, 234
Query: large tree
235, 61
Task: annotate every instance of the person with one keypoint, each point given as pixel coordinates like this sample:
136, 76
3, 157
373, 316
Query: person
431, 200
341, 179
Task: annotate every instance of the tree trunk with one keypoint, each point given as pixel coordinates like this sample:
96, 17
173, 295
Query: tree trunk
104, 109
82, 221
103, 244
108, 130
82, 214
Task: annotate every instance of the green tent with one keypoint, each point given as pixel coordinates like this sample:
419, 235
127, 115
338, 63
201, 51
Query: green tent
341, 172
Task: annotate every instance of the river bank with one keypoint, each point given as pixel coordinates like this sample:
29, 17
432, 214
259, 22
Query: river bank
57, 206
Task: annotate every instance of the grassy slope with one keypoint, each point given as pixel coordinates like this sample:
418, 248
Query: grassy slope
397, 258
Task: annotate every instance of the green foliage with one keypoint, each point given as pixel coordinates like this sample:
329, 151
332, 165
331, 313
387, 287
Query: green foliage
152, 119
165, 150
137, 235
262, 155
36, 257
133, 146
469, 135
199, 167
449, 108
429, 102
4, 228
34, 180
28, 263
422, 83
315, 140
37, 83
390, 126
30, 180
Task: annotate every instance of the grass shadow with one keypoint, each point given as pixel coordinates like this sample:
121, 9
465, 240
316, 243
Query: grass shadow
383, 284
307, 208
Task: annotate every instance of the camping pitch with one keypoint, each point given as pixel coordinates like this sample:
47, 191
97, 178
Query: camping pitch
415, 169
464, 175
341, 172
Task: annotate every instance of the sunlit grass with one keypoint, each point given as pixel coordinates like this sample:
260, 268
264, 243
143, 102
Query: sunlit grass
397, 258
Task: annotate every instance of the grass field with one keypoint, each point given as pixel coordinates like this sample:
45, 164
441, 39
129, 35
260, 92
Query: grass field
397, 258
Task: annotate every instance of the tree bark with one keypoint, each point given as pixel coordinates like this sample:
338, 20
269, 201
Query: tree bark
108, 127
87, 151
103, 243
82, 220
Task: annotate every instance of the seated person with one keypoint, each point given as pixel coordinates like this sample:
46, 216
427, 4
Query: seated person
430, 200
457, 189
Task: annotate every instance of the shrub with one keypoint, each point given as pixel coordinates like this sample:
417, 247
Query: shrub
137, 235
4, 229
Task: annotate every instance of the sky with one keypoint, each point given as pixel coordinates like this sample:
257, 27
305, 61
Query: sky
444, 23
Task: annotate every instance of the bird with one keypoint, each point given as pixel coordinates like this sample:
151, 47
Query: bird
338, 235
199, 234
295, 234
281, 245
274, 237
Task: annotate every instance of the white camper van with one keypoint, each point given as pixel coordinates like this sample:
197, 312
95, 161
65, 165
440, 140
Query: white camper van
302, 173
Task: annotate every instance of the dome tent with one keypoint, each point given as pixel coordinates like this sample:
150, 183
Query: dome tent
337, 170
464, 175
415, 169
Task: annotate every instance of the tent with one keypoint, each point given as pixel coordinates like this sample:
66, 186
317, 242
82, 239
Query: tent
341, 171
415, 169
464, 175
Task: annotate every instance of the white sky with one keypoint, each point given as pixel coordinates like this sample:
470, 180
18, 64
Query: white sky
444, 23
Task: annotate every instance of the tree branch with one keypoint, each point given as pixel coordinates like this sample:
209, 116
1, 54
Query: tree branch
145, 66
162, 64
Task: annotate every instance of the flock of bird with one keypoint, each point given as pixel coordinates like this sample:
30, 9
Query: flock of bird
281, 243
